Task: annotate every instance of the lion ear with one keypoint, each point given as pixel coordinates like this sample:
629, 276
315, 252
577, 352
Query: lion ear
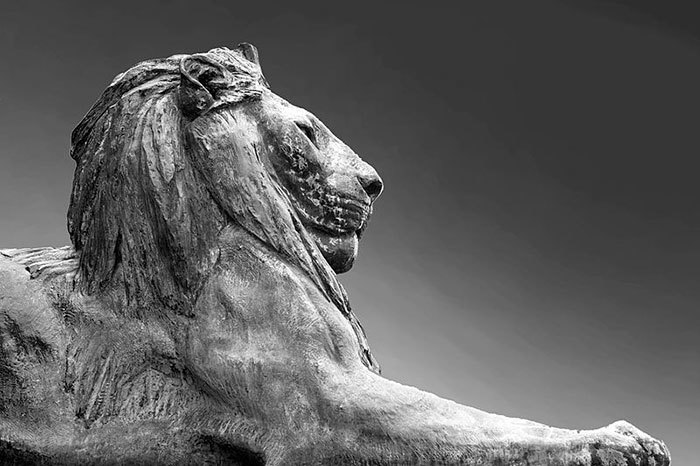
200, 79
249, 52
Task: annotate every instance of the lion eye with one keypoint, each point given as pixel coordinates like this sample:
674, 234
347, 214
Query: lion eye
308, 132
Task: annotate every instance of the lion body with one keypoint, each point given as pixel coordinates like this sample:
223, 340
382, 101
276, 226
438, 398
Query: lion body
198, 318
83, 376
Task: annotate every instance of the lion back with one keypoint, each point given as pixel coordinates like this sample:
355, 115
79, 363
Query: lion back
33, 336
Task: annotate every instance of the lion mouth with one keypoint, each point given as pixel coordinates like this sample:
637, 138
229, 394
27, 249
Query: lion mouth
336, 215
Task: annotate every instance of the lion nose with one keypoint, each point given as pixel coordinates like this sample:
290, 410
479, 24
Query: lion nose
372, 184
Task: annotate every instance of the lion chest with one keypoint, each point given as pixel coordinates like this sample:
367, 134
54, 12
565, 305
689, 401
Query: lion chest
262, 333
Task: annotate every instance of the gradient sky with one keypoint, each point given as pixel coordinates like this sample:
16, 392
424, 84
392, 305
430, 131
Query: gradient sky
536, 251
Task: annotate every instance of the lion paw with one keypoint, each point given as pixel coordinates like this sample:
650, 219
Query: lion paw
622, 444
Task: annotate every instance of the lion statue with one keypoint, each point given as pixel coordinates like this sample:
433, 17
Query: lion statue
198, 318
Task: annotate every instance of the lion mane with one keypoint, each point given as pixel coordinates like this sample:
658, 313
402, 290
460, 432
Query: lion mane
142, 219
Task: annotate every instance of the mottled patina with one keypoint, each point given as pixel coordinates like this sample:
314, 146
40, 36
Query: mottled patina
197, 317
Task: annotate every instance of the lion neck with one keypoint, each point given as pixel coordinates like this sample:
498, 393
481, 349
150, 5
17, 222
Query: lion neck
235, 238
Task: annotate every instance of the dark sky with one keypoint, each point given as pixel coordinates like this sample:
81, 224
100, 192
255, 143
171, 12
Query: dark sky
536, 252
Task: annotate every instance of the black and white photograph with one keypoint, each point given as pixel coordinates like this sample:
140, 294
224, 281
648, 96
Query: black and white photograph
236, 232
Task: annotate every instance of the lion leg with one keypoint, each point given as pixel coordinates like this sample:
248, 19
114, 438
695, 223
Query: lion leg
268, 345
622, 441
385, 422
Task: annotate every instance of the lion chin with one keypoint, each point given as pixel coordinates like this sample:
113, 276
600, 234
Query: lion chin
337, 230
340, 251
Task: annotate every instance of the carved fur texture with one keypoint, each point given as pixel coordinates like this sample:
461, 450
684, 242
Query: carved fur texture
198, 318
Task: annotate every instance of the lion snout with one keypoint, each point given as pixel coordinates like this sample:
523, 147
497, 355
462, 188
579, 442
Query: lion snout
371, 183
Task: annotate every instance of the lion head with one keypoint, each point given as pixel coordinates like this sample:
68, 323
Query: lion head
180, 148
329, 187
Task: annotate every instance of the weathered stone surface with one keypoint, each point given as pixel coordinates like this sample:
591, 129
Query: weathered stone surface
198, 317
